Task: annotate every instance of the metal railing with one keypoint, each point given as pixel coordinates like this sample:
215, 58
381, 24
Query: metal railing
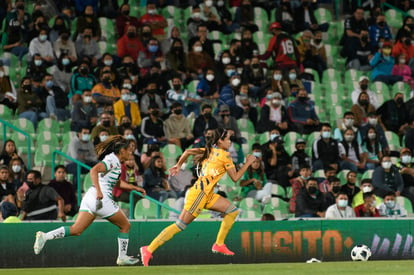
78, 170
28, 139
158, 203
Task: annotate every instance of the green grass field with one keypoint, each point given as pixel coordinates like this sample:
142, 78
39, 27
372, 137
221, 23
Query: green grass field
340, 268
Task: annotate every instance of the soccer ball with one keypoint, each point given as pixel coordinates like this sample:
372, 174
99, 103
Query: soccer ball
360, 252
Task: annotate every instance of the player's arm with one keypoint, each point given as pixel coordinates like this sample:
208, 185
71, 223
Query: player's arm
94, 172
189, 152
236, 175
126, 186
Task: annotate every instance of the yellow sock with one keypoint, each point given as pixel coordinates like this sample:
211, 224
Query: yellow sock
163, 237
225, 226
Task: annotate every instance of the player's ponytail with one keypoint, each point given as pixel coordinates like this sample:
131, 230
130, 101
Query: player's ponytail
111, 144
211, 141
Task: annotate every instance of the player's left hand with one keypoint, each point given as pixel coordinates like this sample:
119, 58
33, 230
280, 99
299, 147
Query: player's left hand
174, 170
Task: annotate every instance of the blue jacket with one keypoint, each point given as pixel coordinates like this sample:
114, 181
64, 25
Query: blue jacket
227, 96
381, 65
375, 32
299, 112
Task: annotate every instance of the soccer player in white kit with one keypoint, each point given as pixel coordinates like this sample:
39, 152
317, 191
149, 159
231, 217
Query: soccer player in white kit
98, 199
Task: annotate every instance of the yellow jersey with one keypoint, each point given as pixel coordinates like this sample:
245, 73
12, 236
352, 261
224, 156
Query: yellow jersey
212, 169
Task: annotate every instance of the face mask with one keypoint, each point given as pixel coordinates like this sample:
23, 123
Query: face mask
276, 102
229, 72
226, 60
87, 99
292, 76
129, 137
106, 123
374, 203
399, 101
381, 23
127, 86
372, 121
363, 102
349, 122
146, 34
386, 164
304, 178
177, 87
277, 77
125, 12
65, 61
31, 184
326, 134
42, 37
312, 190
178, 111
209, 3
273, 136
103, 138
364, 38
198, 49
364, 86
349, 138
386, 51
207, 115
27, 88
16, 168
220, 3
155, 113
210, 77
84, 70
302, 98
152, 48
86, 137
406, 159
317, 41
152, 11
342, 203
235, 82
402, 61
49, 84
108, 62
390, 204
196, 15
407, 42
336, 189
125, 97
372, 136
366, 189
257, 154
38, 62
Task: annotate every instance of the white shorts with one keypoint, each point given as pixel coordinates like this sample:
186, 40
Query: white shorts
88, 204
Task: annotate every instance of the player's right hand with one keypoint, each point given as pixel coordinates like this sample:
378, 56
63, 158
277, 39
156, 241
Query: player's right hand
174, 170
250, 159
99, 195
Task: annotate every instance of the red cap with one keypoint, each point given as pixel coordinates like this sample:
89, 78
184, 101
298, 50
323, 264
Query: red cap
387, 44
275, 25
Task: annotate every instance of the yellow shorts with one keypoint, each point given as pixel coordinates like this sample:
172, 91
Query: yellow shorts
196, 200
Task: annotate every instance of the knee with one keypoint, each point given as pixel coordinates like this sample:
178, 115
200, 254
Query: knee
75, 231
125, 227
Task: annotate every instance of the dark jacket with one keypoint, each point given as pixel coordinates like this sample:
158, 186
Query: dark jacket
305, 204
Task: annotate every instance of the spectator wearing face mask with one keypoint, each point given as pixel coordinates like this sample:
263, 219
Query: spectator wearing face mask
387, 178
152, 127
226, 120
84, 111
105, 92
340, 209
156, 21
247, 104
177, 127
361, 109
189, 102
391, 208
64, 45
372, 147
81, 80
393, 114
228, 93
204, 121
333, 190
272, 114
372, 121
347, 123
124, 106
207, 87
302, 114
129, 43
366, 186
81, 148
368, 207
198, 59
107, 123
297, 184
363, 87
40, 45
402, 69
404, 46
310, 203
300, 157
382, 64
124, 19
151, 55
353, 157
379, 30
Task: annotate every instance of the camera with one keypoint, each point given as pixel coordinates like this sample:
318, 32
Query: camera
279, 142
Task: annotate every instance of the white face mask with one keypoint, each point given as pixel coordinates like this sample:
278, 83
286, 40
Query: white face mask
225, 60
1, 73
103, 138
198, 49
209, 3
292, 76
196, 15
276, 102
372, 135
235, 82
87, 99
152, 11
108, 62
406, 159
366, 189
342, 203
16, 168
372, 121
125, 97
129, 137
210, 77
42, 37
220, 3
38, 62
349, 138
349, 122
326, 134
86, 137
127, 86
386, 164
277, 77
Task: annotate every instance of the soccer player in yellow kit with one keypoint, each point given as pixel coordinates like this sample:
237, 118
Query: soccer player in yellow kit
214, 160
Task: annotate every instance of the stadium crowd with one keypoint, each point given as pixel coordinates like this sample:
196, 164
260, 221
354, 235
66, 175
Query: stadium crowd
320, 122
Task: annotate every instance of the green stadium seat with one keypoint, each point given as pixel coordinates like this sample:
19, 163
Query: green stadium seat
367, 174
394, 18
342, 175
25, 125
5, 112
401, 87
392, 138
278, 190
47, 137
331, 74
251, 208
406, 203
145, 209
21, 143
171, 152
43, 155
322, 15
165, 213
48, 124
86, 182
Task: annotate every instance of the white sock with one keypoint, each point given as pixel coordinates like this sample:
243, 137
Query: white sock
122, 247
58, 233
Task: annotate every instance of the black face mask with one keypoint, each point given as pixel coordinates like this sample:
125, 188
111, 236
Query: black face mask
399, 101
131, 34
351, 183
106, 123
364, 38
407, 42
177, 87
302, 98
255, 66
177, 49
336, 189
152, 91
317, 41
155, 112
126, 12
207, 115
84, 71
31, 184
363, 102
146, 34
27, 88
411, 26
178, 111
381, 24
246, 40
87, 36
126, 124
364, 86
106, 80
312, 190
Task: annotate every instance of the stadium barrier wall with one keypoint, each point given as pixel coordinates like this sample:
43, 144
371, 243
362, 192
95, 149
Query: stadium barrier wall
252, 241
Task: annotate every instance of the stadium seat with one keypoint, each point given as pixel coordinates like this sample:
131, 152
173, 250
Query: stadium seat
379, 87
394, 18
278, 190
25, 125
171, 152
392, 138
401, 87
5, 112
323, 15
331, 74
406, 203
48, 124
165, 213
145, 209
251, 208
43, 155
367, 174
342, 176
47, 137
86, 182
246, 125
21, 143
291, 137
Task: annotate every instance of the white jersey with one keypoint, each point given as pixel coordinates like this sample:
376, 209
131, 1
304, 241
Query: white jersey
108, 180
